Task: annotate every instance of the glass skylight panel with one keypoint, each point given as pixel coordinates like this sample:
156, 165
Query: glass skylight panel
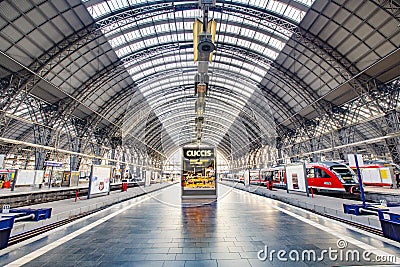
117, 4
225, 80
123, 51
164, 39
254, 3
271, 54
276, 43
160, 28
99, 10
135, 2
150, 42
307, 3
160, 68
277, 6
228, 97
117, 41
260, 36
132, 35
232, 84
145, 65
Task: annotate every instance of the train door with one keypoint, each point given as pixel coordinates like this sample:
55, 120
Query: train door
279, 178
322, 178
318, 178
255, 177
276, 177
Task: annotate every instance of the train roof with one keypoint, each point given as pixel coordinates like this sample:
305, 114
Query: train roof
330, 163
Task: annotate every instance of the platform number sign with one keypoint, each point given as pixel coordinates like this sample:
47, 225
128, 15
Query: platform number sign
6, 209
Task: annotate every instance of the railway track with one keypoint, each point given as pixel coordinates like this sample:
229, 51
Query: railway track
40, 230
352, 223
38, 197
15, 239
366, 228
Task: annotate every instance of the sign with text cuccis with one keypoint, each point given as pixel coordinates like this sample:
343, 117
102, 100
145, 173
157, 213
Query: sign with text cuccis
195, 153
199, 173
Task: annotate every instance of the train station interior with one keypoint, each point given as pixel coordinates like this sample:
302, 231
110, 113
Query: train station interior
199, 133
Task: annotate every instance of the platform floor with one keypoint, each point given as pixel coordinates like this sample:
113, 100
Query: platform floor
31, 189
159, 230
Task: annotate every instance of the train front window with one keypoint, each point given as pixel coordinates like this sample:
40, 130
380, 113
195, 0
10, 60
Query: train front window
346, 174
319, 173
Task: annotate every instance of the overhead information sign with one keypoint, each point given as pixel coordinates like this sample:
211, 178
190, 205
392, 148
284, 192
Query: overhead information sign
52, 164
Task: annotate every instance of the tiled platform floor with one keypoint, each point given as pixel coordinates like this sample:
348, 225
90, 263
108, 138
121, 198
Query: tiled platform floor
162, 231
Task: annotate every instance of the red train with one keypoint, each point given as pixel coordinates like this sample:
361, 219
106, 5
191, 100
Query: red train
327, 177
379, 174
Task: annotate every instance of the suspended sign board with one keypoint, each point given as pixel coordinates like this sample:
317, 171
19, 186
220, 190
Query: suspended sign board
99, 182
52, 164
199, 173
296, 177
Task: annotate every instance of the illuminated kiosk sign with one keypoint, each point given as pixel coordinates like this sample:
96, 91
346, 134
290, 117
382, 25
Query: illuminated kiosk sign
199, 173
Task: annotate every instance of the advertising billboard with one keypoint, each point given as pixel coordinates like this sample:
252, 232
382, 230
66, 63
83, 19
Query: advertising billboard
99, 182
296, 177
199, 173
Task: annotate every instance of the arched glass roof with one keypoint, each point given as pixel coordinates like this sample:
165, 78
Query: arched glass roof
162, 79
127, 66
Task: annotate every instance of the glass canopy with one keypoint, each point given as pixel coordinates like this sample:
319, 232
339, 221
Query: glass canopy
157, 51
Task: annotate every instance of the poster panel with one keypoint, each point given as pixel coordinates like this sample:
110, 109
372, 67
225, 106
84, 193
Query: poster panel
74, 178
199, 172
39, 177
246, 176
296, 177
385, 175
99, 180
66, 178
25, 177
370, 175
147, 178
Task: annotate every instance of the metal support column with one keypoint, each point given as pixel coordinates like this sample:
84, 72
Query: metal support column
393, 144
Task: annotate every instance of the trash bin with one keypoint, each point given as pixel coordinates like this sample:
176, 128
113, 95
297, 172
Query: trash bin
124, 186
269, 185
6, 225
7, 184
390, 223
